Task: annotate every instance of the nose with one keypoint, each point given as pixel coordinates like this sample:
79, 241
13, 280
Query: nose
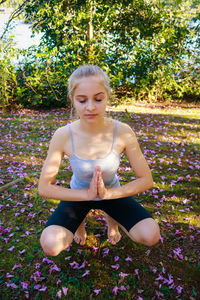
90, 105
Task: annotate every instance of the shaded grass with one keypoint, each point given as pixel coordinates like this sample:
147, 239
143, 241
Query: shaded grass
169, 138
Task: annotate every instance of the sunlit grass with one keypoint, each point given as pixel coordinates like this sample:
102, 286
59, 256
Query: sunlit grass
169, 138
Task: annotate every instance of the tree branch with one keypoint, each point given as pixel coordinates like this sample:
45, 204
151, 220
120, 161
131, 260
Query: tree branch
14, 15
2, 1
8, 185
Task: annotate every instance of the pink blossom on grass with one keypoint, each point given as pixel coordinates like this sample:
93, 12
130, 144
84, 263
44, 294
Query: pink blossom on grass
58, 282
116, 258
123, 275
21, 252
59, 294
26, 294
160, 277
54, 268
74, 265
148, 252
65, 290
12, 285
43, 288
95, 249
8, 275
128, 258
36, 276
177, 252
179, 289
37, 286
11, 248
161, 239
87, 272
115, 289
97, 291
16, 266
67, 257
116, 267
82, 266
105, 252
24, 285
37, 265
136, 272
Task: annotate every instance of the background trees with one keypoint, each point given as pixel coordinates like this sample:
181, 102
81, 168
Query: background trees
149, 48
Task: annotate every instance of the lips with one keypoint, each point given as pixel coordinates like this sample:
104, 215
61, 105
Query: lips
91, 115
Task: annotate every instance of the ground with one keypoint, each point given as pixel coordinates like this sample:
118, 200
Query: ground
169, 138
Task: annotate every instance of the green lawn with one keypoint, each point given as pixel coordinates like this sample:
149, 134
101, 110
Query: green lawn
170, 139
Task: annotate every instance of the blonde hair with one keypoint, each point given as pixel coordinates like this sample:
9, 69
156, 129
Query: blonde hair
87, 71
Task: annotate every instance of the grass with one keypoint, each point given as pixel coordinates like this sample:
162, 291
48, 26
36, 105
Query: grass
169, 138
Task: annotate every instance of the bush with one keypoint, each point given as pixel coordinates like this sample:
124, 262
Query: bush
8, 81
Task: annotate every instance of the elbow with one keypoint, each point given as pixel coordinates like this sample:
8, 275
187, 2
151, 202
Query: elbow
151, 183
41, 190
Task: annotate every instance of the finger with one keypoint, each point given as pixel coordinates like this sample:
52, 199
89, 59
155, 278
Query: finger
98, 168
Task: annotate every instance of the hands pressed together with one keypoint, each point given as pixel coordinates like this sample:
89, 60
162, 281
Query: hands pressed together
97, 187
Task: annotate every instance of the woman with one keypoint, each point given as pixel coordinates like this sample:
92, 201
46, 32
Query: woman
93, 144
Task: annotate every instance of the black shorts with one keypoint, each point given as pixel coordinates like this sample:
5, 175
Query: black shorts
126, 211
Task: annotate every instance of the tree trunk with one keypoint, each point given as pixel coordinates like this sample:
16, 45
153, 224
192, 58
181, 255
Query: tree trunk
90, 32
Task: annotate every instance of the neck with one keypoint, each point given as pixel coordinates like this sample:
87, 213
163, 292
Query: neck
93, 128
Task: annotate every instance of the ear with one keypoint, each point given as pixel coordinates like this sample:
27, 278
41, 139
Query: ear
70, 97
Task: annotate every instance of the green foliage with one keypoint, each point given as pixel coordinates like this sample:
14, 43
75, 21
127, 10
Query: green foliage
42, 79
8, 81
150, 49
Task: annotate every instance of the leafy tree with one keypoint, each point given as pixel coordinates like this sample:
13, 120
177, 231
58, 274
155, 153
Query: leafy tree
149, 48
136, 41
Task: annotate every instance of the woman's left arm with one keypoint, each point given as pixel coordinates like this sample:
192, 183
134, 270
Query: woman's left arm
143, 181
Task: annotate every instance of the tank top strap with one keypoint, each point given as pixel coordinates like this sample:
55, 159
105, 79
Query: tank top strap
114, 135
71, 138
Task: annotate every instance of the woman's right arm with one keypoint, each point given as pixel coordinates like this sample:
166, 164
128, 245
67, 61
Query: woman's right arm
46, 187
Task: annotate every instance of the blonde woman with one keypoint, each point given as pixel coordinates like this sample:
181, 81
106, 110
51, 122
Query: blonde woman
93, 144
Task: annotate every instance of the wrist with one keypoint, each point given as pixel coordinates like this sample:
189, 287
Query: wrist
106, 195
85, 195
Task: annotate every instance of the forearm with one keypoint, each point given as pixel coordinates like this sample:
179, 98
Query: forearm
132, 188
52, 191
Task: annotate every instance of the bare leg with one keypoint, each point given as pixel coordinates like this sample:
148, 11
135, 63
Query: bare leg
80, 234
114, 235
146, 232
55, 239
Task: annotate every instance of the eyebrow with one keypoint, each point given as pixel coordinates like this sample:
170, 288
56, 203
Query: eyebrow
94, 95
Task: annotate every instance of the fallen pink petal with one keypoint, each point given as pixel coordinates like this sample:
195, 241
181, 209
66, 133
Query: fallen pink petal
167, 130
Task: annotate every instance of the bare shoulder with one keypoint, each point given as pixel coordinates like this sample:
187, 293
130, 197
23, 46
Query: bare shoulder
126, 133
61, 132
60, 137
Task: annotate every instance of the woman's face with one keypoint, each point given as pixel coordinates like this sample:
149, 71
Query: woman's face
90, 98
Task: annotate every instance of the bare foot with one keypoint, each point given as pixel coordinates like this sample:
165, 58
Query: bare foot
80, 235
114, 235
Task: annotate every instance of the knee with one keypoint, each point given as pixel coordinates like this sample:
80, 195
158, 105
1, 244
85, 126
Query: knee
152, 236
146, 232
49, 248
54, 240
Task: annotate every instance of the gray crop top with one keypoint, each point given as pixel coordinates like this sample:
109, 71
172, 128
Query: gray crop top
83, 169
